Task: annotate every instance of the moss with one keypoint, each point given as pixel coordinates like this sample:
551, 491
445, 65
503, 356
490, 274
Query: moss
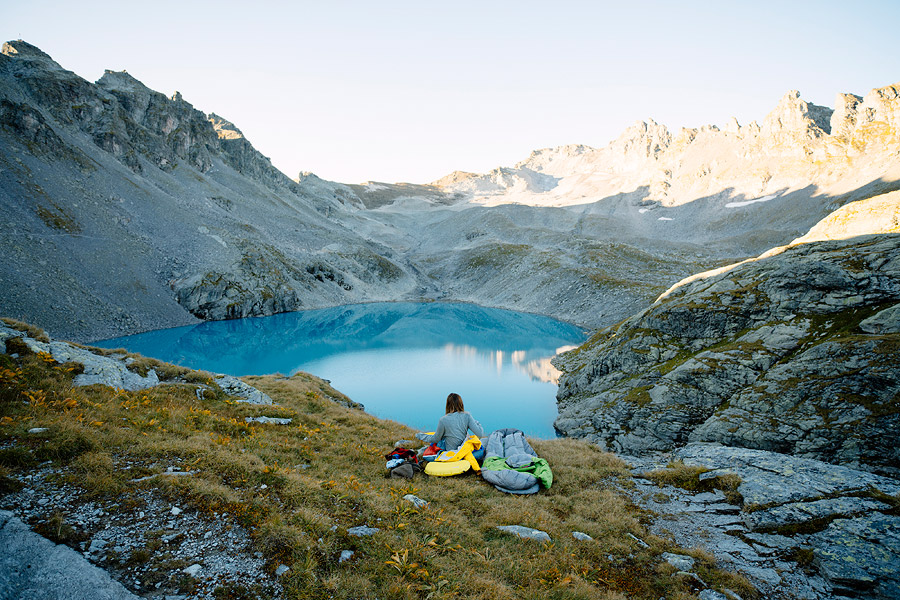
686, 477
64, 446
802, 556
17, 457
638, 395
58, 219
58, 530
496, 256
33, 332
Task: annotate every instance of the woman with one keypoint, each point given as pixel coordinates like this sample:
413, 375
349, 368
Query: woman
453, 427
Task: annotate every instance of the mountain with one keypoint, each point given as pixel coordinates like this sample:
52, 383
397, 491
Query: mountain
798, 144
124, 210
794, 352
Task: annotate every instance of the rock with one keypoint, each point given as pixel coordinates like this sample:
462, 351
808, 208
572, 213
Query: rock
281, 570
883, 322
778, 542
639, 541
101, 369
767, 575
38, 430
795, 513
362, 531
682, 562
32, 566
582, 537
525, 532
771, 478
415, 500
711, 595
243, 391
346, 555
692, 576
272, 420
192, 570
861, 554
175, 511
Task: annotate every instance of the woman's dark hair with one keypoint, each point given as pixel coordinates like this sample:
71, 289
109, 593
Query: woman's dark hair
454, 404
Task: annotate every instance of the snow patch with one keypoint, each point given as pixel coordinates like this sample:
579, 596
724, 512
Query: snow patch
643, 210
747, 202
374, 187
665, 219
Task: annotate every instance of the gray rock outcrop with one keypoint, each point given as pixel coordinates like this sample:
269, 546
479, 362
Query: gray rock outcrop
113, 371
840, 523
792, 352
34, 568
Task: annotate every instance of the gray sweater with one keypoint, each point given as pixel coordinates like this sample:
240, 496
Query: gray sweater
453, 429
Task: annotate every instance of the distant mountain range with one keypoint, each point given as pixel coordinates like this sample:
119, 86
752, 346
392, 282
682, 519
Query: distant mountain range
125, 210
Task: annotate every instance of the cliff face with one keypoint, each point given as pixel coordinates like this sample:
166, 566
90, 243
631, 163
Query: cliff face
793, 352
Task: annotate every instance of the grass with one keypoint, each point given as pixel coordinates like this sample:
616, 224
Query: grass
298, 488
687, 477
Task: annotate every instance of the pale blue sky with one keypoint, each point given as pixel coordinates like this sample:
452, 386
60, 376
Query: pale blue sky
410, 91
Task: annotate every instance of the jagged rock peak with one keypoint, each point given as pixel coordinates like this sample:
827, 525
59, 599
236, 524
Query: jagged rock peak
121, 81
794, 115
566, 150
843, 119
646, 138
225, 129
308, 176
882, 104
454, 177
19, 48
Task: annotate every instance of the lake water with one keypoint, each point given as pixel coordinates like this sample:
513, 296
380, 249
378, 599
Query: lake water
400, 360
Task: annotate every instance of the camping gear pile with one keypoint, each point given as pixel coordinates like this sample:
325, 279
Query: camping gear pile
510, 463
402, 464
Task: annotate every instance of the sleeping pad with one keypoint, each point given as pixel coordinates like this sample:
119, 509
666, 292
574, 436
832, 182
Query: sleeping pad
512, 465
454, 462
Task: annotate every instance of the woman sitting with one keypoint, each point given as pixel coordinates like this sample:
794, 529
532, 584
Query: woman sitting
453, 428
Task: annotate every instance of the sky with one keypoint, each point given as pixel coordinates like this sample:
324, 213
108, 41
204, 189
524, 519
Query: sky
397, 90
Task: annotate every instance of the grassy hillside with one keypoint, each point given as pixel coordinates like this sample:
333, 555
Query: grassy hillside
297, 488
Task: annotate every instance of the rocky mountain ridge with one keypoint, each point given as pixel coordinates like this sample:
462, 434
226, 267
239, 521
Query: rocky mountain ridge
746, 162
135, 211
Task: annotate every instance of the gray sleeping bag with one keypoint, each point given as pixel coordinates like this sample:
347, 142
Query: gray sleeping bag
506, 450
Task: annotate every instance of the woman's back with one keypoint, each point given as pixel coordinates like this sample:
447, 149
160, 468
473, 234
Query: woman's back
455, 428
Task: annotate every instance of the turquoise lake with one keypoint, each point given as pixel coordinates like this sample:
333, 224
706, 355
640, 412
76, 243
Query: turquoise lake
400, 360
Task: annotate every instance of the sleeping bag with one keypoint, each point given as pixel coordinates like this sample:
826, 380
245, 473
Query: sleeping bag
512, 465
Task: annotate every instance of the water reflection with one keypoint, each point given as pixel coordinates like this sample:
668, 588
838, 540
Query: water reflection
534, 363
399, 359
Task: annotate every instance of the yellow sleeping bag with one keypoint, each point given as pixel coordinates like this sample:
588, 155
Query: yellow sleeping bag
454, 462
